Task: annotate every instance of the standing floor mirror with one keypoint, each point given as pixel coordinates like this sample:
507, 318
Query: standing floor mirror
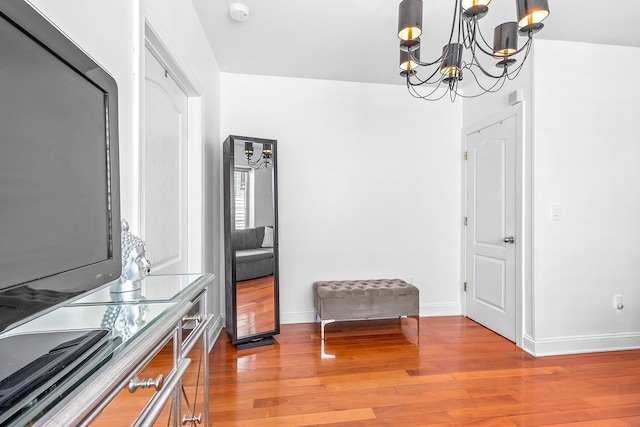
251, 240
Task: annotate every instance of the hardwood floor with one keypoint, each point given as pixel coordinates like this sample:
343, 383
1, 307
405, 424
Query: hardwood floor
380, 373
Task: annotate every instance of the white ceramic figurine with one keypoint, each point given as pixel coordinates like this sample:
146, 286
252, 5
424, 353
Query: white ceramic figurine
135, 265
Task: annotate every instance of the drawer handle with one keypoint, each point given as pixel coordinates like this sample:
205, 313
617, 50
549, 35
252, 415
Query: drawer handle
192, 419
196, 318
136, 383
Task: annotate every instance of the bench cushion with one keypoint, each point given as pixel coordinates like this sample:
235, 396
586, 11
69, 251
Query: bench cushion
357, 299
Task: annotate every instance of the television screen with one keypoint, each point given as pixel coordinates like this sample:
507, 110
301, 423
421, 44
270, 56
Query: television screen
59, 197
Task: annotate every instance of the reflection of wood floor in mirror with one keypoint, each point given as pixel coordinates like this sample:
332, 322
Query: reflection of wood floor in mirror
255, 301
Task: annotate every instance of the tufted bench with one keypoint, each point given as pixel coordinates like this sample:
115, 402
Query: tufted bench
365, 299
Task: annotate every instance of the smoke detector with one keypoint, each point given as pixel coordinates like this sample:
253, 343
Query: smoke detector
239, 12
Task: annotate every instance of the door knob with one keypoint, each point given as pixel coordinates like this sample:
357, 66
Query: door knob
509, 239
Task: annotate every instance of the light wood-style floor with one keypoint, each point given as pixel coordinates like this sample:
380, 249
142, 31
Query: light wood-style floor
380, 373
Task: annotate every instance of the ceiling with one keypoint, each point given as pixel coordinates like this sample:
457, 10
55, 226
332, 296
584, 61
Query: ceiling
355, 40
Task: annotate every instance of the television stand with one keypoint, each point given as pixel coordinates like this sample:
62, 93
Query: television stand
165, 324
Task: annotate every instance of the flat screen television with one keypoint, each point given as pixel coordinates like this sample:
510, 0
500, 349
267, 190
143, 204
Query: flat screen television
59, 175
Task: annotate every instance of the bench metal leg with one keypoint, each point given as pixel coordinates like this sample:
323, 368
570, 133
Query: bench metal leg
322, 325
417, 321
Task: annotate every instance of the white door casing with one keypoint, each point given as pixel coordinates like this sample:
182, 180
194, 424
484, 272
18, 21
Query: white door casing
490, 263
161, 44
164, 162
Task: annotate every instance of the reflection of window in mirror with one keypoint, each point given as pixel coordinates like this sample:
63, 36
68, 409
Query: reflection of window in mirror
242, 191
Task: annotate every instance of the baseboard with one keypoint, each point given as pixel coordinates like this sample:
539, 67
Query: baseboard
214, 330
298, 317
441, 309
581, 344
529, 345
426, 310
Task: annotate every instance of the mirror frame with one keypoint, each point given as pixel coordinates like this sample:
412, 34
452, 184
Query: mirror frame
231, 309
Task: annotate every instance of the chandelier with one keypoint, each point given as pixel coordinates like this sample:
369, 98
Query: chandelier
466, 44
261, 160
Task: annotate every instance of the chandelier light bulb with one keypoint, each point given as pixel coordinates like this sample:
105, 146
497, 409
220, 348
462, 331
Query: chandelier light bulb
474, 9
408, 60
531, 13
410, 19
505, 39
467, 4
248, 149
452, 59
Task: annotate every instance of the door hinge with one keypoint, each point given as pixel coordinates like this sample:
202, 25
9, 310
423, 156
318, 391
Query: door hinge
466, 155
465, 220
465, 286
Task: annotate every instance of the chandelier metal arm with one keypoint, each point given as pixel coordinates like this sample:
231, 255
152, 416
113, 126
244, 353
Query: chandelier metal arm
495, 87
526, 46
477, 63
426, 81
479, 31
499, 81
468, 38
425, 64
472, 49
492, 89
471, 46
457, 10
485, 72
258, 161
513, 74
412, 91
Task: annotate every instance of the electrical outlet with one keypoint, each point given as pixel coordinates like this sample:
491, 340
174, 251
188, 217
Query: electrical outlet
617, 302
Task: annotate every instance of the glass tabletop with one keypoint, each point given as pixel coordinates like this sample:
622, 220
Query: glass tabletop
125, 320
152, 289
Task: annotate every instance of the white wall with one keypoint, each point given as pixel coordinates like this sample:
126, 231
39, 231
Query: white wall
368, 182
586, 160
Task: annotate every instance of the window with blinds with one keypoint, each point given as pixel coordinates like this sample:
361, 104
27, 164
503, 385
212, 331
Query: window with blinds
241, 192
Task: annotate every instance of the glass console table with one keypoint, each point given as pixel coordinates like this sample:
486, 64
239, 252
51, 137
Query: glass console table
167, 317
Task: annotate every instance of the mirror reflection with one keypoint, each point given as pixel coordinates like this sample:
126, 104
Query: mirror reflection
252, 276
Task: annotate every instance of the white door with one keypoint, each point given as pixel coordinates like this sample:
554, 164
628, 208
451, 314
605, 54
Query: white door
164, 171
491, 223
